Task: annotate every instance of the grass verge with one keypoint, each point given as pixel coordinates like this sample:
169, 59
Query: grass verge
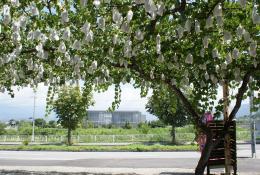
131, 148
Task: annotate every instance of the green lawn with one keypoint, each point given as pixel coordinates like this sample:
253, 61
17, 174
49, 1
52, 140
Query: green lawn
132, 148
98, 131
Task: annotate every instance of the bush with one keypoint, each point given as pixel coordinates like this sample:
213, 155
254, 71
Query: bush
143, 128
90, 124
110, 126
127, 125
25, 142
157, 124
11, 132
52, 124
2, 128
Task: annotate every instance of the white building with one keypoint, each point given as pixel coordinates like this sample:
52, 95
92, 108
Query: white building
117, 118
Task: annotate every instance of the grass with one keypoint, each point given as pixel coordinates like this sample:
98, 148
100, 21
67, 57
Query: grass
98, 131
131, 148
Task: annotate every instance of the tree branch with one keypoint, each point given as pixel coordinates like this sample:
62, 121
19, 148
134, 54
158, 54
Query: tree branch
184, 100
32, 50
49, 6
212, 8
241, 91
175, 89
205, 15
152, 24
181, 8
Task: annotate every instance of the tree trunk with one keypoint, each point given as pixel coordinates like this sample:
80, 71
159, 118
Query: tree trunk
226, 116
173, 135
69, 137
205, 155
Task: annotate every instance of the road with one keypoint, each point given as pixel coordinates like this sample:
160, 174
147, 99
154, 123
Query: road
138, 162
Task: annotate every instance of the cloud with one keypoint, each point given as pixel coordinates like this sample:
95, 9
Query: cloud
21, 106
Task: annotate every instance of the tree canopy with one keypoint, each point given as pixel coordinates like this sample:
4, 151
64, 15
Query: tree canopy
202, 44
71, 107
196, 43
168, 108
40, 122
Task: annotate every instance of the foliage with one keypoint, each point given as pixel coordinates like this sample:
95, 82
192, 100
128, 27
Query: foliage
170, 42
25, 142
71, 107
201, 44
156, 124
25, 127
2, 128
127, 125
143, 128
132, 148
110, 126
90, 124
13, 123
52, 124
24, 124
168, 108
40, 122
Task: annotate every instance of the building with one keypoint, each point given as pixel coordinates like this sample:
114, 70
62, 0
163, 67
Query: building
117, 118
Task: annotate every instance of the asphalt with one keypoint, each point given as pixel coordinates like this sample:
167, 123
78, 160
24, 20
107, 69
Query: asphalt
143, 163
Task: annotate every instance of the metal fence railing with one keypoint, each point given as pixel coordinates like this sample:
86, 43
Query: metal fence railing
180, 137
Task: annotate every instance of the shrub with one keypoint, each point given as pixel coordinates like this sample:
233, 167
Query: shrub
25, 142
156, 124
127, 125
143, 128
2, 129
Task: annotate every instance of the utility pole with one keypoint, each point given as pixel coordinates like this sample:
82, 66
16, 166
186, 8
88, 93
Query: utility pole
33, 117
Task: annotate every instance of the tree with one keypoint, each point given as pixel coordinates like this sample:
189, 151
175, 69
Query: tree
168, 108
202, 44
13, 123
71, 107
2, 128
52, 124
25, 127
40, 122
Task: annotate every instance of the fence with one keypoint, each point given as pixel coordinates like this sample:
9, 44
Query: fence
183, 137
180, 137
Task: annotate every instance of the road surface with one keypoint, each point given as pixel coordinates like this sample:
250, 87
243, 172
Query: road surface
118, 162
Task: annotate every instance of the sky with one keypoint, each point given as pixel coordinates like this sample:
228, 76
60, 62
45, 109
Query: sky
21, 106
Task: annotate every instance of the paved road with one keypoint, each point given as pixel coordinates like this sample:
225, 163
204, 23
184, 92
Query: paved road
126, 161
